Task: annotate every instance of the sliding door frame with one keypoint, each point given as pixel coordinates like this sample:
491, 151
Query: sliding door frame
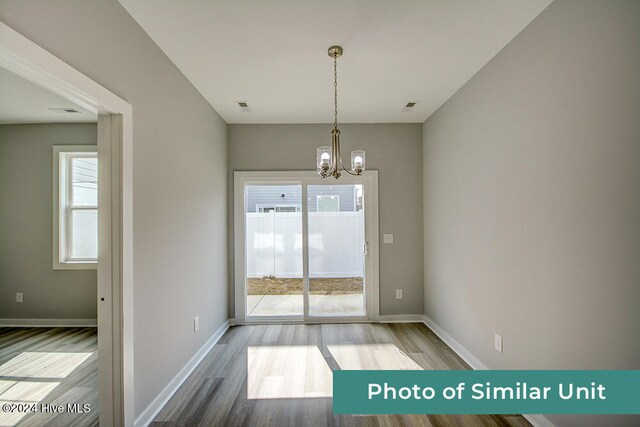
304, 178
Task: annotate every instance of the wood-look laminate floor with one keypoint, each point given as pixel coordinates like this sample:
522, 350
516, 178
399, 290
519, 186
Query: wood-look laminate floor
280, 375
56, 366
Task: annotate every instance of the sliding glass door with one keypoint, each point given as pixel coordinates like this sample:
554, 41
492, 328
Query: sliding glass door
336, 250
303, 247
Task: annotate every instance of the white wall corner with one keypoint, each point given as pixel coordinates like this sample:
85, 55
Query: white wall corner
147, 416
49, 323
536, 419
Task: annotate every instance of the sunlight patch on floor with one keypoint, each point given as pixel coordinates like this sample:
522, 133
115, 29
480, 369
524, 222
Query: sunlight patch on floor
23, 379
42, 364
371, 356
287, 372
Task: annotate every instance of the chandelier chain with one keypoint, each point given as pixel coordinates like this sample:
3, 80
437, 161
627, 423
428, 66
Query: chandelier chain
335, 91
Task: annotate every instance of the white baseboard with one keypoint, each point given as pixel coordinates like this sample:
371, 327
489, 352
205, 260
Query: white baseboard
147, 416
536, 419
455, 345
391, 318
401, 318
48, 323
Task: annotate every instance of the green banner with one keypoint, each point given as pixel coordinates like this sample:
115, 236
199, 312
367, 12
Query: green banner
486, 392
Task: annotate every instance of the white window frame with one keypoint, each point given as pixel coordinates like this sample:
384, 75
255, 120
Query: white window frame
62, 155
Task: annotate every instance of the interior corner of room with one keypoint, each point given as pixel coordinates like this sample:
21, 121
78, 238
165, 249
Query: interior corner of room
495, 225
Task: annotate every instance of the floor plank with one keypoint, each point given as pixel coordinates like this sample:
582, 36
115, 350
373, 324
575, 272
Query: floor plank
259, 359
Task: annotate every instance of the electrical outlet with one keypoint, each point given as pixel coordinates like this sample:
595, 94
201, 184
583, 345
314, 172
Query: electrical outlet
398, 293
19, 297
196, 323
498, 343
387, 238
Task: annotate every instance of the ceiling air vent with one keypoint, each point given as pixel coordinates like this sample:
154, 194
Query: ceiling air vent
244, 105
409, 106
64, 110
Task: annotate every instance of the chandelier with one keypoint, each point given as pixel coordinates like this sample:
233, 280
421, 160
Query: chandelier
328, 158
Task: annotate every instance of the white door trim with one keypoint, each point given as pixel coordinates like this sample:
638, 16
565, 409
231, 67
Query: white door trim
115, 230
304, 178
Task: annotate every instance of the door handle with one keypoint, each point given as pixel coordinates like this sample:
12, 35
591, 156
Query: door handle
366, 249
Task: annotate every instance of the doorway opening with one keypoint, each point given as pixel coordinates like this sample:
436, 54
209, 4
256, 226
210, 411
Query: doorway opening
115, 233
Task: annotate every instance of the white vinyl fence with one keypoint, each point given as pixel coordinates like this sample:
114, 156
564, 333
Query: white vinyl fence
274, 244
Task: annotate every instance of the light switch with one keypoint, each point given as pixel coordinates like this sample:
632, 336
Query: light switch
387, 238
18, 296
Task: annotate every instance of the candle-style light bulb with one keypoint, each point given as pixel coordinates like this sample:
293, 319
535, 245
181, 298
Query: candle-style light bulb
357, 161
324, 158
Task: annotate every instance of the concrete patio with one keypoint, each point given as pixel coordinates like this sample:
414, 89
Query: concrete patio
322, 305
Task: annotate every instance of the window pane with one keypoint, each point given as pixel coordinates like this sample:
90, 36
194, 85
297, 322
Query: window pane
84, 172
84, 234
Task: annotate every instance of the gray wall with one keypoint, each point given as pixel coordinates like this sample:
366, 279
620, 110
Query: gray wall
395, 150
26, 226
179, 173
531, 175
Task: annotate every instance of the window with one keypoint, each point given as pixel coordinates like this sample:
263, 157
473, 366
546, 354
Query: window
328, 204
75, 190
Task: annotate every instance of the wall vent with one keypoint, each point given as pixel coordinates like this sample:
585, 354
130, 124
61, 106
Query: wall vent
244, 105
409, 106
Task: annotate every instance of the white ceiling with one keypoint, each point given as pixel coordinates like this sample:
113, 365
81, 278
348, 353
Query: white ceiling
24, 102
273, 54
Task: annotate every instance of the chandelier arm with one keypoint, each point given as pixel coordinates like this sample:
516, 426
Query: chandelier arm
335, 91
338, 154
348, 171
342, 165
335, 151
